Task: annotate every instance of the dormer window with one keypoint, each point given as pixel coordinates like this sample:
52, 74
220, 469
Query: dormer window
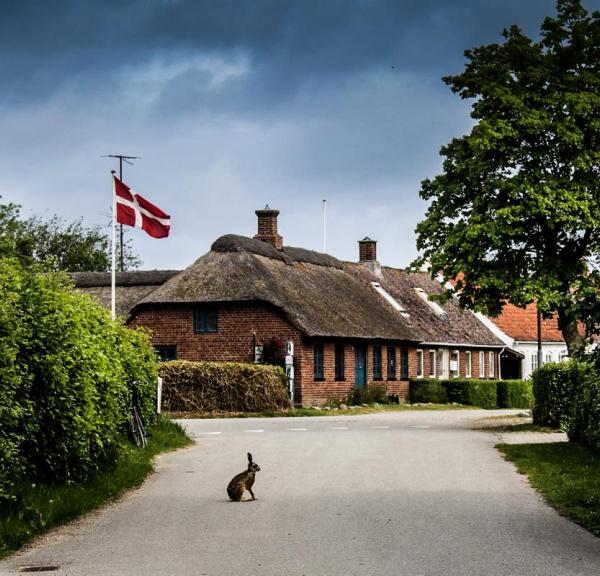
390, 299
433, 305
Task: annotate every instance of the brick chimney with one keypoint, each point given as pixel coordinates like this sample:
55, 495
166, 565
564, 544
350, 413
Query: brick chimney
367, 250
367, 256
267, 227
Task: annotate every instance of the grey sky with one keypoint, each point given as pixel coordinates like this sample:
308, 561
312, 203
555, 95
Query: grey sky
233, 104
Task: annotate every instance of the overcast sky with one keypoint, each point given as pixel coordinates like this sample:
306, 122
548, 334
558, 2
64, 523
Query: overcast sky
235, 104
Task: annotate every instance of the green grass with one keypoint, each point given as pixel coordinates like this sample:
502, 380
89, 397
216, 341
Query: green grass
296, 412
40, 507
566, 474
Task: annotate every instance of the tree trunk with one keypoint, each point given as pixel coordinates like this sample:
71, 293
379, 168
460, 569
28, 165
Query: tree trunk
572, 332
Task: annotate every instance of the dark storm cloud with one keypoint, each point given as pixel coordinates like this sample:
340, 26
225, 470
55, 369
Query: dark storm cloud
45, 44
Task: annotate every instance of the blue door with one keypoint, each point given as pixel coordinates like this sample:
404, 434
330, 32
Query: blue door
360, 364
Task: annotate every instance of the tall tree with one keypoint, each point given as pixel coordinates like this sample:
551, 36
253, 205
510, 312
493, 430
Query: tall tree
515, 214
54, 244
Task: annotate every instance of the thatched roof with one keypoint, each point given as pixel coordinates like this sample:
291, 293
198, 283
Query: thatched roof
320, 295
289, 254
453, 326
131, 286
320, 300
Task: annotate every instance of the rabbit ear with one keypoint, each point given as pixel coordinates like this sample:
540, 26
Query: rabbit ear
249, 457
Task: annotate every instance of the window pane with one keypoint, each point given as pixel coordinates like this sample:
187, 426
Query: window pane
391, 363
377, 362
205, 320
404, 363
318, 361
166, 353
339, 362
432, 362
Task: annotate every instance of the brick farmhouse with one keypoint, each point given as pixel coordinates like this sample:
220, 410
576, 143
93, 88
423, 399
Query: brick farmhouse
352, 324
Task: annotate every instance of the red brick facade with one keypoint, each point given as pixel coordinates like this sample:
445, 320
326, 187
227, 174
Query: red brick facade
240, 326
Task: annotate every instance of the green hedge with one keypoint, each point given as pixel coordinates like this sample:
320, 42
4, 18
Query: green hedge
472, 392
552, 393
222, 387
567, 396
427, 390
514, 394
66, 371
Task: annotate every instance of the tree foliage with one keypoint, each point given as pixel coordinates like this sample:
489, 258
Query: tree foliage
54, 244
515, 214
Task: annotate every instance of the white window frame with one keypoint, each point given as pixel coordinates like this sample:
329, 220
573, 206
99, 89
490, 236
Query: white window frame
548, 358
492, 365
444, 363
420, 364
482, 364
454, 373
534, 362
433, 365
468, 364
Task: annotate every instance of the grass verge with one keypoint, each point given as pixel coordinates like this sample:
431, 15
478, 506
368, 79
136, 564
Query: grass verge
296, 412
40, 507
566, 474
510, 424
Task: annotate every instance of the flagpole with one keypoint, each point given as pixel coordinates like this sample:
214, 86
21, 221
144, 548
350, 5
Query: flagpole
114, 251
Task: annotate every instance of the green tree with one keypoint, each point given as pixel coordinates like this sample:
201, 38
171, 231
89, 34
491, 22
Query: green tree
515, 214
57, 245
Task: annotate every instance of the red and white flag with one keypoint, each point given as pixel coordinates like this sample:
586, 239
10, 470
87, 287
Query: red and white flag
135, 210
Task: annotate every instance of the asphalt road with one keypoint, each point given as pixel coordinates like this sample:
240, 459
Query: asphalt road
387, 494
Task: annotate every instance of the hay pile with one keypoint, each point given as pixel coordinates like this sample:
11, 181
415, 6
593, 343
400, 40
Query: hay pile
222, 387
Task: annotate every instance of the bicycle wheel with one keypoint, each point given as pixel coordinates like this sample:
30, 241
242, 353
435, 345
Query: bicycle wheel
136, 429
141, 429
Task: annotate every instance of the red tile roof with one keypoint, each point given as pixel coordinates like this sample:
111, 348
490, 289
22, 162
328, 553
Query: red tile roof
521, 324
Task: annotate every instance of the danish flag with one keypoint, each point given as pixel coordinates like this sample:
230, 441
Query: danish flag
135, 210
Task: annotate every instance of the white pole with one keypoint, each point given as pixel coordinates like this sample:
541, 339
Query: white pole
324, 225
114, 251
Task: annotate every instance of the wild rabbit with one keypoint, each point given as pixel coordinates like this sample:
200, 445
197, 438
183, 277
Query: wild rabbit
243, 481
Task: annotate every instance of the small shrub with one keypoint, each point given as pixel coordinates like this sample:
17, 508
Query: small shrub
514, 394
371, 394
426, 391
222, 387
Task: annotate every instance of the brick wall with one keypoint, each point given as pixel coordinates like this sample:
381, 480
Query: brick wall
320, 392
238, 325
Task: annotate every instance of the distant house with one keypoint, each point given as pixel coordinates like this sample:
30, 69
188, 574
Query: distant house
517, 328
352, 324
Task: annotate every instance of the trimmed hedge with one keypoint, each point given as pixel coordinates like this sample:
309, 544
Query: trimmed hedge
567, 396
65, 372
427, 390
222, 387
514, 394
472, 392
552, 393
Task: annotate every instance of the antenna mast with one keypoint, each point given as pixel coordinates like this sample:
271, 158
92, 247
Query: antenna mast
122, 158
324, 226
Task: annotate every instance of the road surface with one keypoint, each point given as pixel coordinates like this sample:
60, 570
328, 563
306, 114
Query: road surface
407, 493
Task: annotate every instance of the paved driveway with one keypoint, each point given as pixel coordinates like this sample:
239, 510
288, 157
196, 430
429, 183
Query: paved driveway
386, 494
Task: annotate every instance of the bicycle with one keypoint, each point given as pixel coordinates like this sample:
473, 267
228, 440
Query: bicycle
136, 424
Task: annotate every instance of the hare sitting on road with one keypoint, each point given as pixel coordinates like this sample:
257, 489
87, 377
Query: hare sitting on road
243, 481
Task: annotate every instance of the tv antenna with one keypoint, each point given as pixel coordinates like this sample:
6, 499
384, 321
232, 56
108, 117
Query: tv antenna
127, 159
